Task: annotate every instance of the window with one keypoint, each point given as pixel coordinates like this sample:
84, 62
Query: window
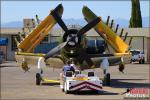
46, 39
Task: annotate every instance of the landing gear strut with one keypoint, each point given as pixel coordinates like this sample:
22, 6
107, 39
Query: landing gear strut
38, 79
41, 63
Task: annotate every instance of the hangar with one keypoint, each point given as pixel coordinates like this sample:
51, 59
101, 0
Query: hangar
140, 41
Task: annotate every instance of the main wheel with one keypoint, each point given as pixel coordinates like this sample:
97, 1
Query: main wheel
140, 61
66, 92
38, 79
62, 90
143, 61
107, 79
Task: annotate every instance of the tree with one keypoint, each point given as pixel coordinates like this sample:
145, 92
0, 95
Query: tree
136, 18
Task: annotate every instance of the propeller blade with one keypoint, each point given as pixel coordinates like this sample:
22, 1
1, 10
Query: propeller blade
87, 59
57, 17
89, 26
55, 50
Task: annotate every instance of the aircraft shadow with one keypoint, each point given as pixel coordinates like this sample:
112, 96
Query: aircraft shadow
7, 64
118, 83
50, 84
3, 66
94, 93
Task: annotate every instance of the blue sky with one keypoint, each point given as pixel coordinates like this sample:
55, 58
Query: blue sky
17, 10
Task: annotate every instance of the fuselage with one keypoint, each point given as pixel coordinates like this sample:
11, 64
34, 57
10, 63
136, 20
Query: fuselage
79, 43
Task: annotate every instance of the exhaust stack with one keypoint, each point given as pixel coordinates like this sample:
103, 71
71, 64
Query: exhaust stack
117, 28
112, 22
121, 32
125, 36
107, 20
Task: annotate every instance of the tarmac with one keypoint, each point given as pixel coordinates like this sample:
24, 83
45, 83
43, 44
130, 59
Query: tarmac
16, 84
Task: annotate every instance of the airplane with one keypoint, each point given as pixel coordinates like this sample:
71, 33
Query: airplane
73, 45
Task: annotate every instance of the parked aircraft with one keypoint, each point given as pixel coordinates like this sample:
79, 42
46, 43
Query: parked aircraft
74, 45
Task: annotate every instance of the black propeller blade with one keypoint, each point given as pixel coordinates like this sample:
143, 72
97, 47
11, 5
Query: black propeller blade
87, 59
89, 26
57, 17
55, 50
81, 32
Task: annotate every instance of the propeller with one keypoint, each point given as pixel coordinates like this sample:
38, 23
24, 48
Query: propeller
86, 28
55, 50
82, 31
72, 39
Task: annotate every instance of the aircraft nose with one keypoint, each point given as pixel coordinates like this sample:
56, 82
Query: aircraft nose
72, 41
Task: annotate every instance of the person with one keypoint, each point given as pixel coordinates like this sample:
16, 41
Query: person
68, 67
73, 67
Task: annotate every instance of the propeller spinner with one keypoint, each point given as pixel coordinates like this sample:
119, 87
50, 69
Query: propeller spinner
72, 37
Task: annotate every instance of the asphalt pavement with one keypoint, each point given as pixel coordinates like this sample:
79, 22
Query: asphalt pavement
16, 84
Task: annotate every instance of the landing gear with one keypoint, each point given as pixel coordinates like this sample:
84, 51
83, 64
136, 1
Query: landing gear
39, 73
106, 80
141, 61
121, 67
65, 89
105, 66
66, 92
38, 79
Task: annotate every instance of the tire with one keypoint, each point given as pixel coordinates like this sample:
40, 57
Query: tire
38, 79
66, 92
143, 61
121, 67
107, 79
140, 61
62, 90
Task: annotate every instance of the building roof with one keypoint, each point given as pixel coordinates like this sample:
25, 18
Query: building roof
10, 31
137, 31
58, 31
